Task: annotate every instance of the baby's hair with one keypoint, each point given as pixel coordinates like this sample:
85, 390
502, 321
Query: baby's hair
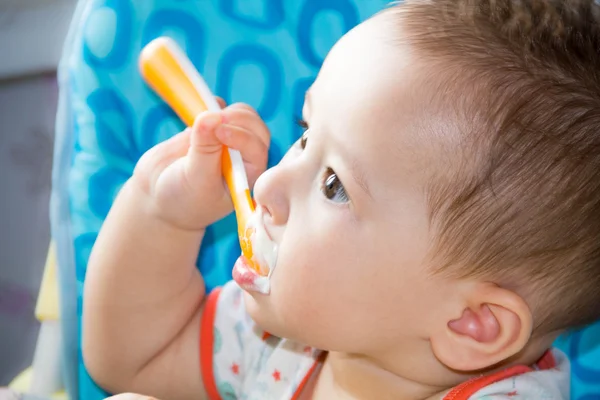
524, 210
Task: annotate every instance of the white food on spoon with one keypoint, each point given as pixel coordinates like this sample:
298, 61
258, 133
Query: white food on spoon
263, 248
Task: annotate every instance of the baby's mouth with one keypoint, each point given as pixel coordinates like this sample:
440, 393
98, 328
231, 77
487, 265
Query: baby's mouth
249, 279
254, 274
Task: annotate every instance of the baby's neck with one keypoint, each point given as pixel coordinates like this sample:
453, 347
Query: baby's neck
344, 376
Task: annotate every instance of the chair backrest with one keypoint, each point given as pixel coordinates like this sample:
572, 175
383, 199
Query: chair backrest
263, 52
583, 349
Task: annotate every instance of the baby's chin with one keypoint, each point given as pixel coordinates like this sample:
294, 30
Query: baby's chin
292, 322
262, 313
268, 317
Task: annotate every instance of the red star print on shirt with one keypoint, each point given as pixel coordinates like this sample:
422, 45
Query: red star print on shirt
277, 376
235, 368
512, 394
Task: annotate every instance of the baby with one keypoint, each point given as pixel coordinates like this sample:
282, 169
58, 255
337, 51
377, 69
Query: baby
438, 223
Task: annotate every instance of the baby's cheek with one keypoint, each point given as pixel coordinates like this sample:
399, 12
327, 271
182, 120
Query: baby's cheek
273, 315
294, 278
280, 311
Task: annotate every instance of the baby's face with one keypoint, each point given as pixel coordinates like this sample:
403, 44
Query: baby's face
348, 207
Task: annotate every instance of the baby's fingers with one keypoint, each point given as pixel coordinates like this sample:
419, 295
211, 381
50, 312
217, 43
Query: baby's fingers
254, 151
245, 117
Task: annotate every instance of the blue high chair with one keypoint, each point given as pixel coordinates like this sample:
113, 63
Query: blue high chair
263, 52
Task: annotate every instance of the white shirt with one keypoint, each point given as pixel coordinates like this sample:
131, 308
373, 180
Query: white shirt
239, 361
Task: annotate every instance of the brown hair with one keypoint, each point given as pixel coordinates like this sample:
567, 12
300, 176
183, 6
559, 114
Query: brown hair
527, 215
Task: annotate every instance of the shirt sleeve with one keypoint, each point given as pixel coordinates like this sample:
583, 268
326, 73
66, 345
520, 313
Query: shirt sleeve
228, 340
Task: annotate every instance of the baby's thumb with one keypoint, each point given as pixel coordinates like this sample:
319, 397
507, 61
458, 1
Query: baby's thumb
204, 154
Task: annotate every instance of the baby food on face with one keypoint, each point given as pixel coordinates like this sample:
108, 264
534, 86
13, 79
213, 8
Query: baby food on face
263, 248
255, 274
248, 279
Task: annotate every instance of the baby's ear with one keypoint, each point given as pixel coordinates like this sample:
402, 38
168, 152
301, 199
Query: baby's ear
492, 326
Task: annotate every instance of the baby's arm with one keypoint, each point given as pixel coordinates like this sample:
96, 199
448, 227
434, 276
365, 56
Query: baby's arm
143, 293
143, 300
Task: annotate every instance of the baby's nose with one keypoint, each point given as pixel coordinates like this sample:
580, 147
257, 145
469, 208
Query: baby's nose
270, 192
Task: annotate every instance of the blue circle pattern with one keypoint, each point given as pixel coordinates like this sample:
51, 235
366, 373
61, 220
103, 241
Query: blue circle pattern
251, 54
345, 8
161, 22
117, 118
114, 124
121, 38
272, 17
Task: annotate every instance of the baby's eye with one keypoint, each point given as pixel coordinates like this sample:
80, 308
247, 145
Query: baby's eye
332, 187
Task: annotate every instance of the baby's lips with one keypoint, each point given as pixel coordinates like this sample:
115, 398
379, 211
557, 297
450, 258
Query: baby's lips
248, 279
243, 273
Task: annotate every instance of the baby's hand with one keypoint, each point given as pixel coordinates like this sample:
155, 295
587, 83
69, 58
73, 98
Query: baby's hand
182, 176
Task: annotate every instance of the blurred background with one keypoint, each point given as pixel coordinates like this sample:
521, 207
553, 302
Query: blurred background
32, 33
